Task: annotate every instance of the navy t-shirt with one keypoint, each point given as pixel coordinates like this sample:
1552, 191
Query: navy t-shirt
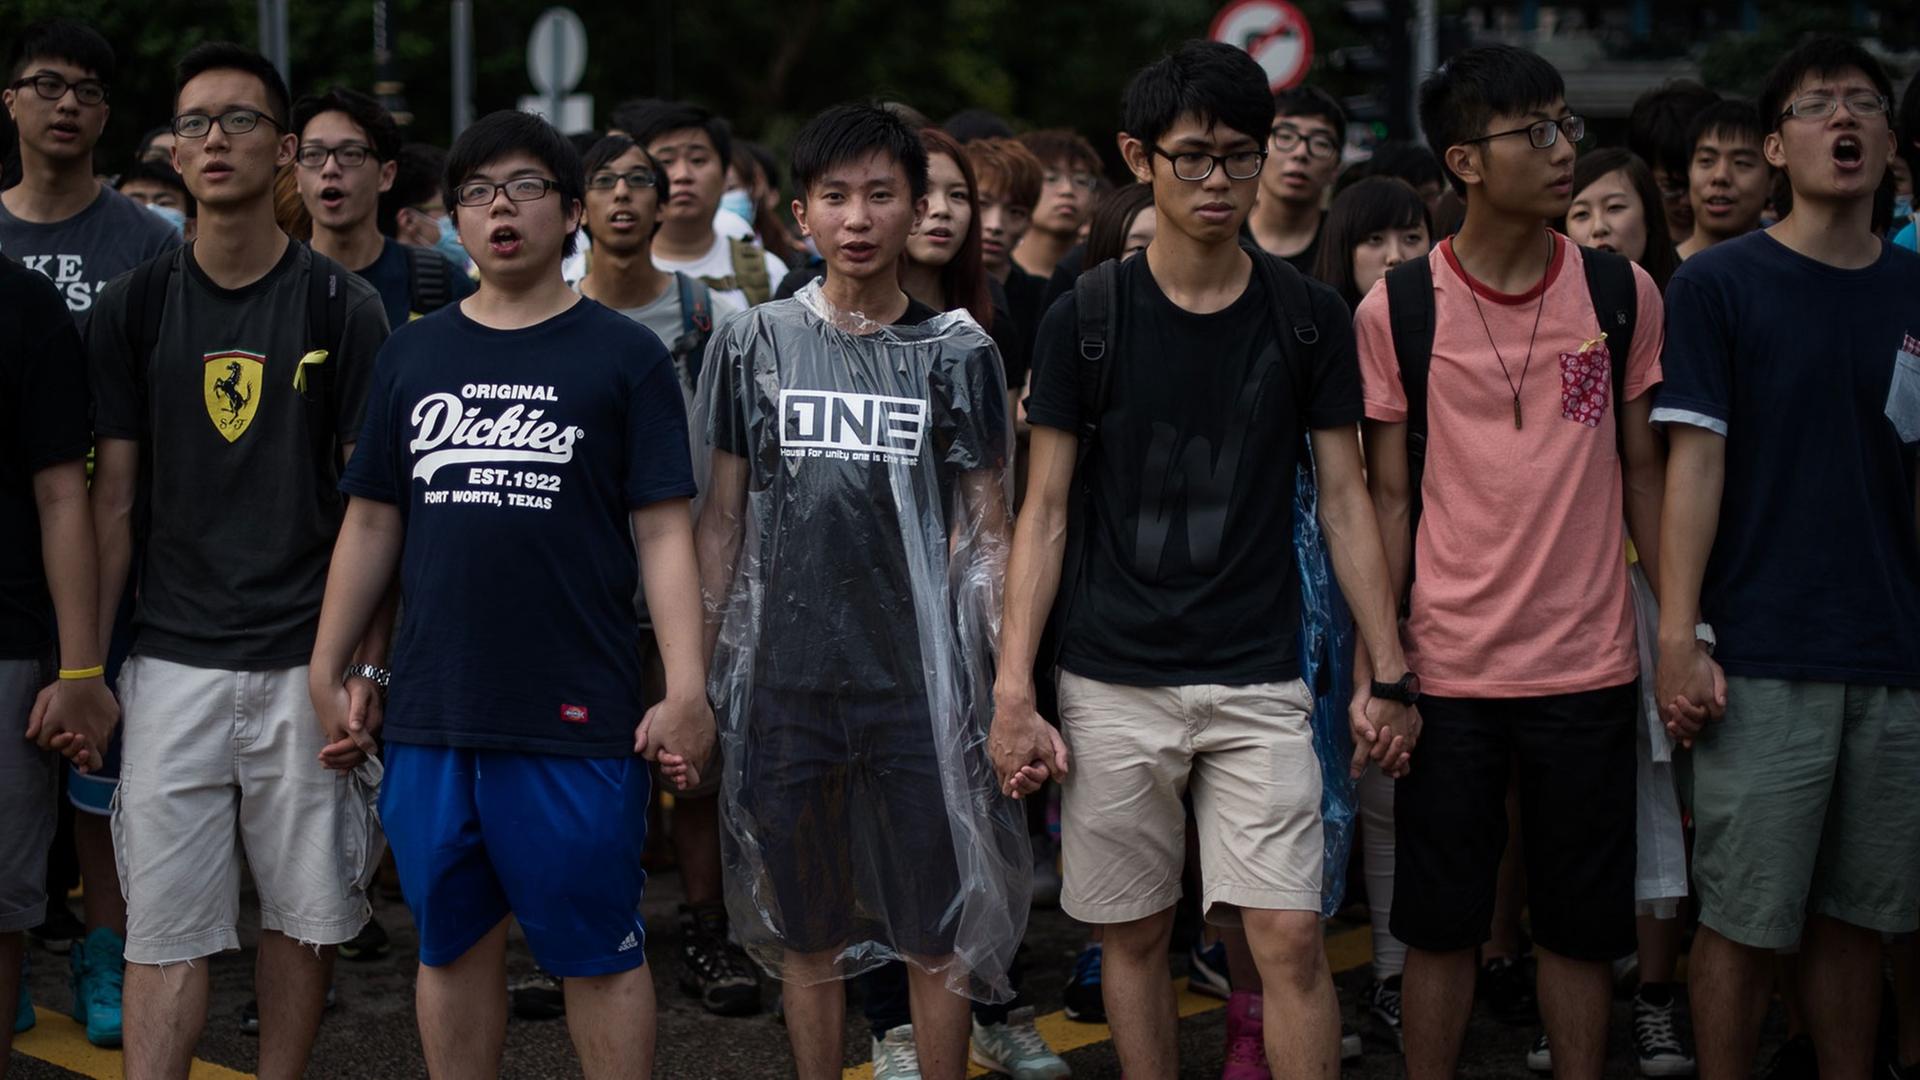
390, 276
1812, 374
515, 457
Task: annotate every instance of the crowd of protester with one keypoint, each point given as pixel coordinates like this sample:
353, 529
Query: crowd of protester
944, 529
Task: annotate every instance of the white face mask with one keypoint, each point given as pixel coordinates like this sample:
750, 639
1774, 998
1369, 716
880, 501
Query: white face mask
172, 217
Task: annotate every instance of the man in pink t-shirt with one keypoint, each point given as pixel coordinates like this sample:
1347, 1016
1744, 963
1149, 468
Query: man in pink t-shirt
1520, 620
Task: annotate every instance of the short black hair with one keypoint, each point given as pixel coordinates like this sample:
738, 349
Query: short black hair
1405, 160
649, 118
1312, 101
147, 140
608, 147
1660, 127
416, 179
228, 56
1824, 56
769, 165
62, 39
1732, 117
976, 123
1207, 79
507, 132
1458, 101
158, 172
849, 132
1910, 122
383, 135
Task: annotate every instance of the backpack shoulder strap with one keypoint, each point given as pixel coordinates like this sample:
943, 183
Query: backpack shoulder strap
326, 304
696, 320
750, 270
1410, 317
1095, 315
428, 286
1292, 309
1616, 302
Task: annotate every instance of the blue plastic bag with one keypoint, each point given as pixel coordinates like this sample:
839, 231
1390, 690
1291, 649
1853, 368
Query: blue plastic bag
1326, 664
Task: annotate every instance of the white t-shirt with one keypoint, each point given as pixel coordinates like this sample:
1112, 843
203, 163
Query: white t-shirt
718, 263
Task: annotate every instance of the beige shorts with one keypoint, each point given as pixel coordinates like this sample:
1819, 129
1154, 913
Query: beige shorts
217, 764
1245, 752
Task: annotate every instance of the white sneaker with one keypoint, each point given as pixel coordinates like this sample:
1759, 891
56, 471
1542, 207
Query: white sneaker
1016, 1049
1540, 1057
894, 1057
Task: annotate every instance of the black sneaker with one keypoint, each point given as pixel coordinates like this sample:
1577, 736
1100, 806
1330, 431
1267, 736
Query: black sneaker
250, 1012
1506, 989
538, 996
59, 930
1082, 996
1795, 1060
1656, 1040
1382, 1000
714, 969
369, 944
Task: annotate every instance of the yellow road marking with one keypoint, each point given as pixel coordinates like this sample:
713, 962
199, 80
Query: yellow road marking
1345, 951
57, 1040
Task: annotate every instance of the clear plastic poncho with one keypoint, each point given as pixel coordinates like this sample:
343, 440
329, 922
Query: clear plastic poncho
853, 533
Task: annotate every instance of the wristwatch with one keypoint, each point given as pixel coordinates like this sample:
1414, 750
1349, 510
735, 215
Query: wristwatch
378, 676
1405, 690
1703, 633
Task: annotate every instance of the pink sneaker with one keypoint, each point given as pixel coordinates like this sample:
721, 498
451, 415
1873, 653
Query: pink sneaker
1246, 1047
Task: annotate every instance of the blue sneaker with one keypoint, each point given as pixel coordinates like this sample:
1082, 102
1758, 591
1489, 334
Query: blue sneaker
99, 967
23, 1015
1082, 997
1207, 971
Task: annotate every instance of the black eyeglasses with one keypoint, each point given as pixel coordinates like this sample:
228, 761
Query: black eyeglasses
53, 88
1319, 143
350, 155
233, 122
1193, 166
518, 189
1821, 106
636, 179
1543, 133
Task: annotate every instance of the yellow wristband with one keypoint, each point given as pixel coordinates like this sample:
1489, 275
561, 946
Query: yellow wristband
93, 672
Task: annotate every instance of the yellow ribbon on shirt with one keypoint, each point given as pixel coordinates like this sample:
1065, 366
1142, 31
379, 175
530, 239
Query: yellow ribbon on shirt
312, 359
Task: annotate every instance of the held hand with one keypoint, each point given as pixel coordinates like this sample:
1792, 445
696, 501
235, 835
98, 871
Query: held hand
678, 734
1364, 733
1399, 728
1026, 750
332, 706
1690, 689
75, 717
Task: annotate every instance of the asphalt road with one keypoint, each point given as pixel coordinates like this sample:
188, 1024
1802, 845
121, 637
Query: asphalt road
371, 1031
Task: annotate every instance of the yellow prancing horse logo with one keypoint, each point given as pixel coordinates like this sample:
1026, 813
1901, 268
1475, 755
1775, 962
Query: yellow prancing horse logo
232, 382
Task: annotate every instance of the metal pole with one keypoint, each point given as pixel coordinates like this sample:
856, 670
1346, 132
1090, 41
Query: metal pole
462, 65
1426, 53
272, 16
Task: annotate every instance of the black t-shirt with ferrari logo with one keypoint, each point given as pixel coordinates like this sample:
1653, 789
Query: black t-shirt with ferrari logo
242, 510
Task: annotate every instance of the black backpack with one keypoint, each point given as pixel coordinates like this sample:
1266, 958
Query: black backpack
1097, 324
429, 281
1615, 298
326, 325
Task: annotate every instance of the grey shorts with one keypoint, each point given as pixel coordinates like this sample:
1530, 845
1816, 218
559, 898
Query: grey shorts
223, 763
29, 783
1804, 802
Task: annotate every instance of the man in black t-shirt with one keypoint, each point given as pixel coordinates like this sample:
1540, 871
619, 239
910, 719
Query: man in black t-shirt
851, 544
215, 401
1309, 132
1180, 635
46, 570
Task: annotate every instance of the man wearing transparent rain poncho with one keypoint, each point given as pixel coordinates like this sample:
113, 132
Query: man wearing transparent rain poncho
852, 541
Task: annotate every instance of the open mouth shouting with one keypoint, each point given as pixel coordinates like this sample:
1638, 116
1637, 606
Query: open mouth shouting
332, 198
503, 241
1849, 153
623, 221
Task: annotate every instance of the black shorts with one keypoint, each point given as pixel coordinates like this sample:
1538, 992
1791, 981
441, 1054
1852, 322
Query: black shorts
842, 800
1575, 759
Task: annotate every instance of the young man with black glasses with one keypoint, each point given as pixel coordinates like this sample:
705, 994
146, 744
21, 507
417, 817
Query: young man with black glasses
1218, 364
348, 155
1309, 132
228, 378
1790, 621
1519, 619
535, 441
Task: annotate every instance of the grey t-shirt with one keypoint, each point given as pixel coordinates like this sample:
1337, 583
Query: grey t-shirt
111, 236
244, 499
668, 323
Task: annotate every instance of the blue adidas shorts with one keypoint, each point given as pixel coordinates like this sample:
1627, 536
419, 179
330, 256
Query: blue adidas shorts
554, 841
